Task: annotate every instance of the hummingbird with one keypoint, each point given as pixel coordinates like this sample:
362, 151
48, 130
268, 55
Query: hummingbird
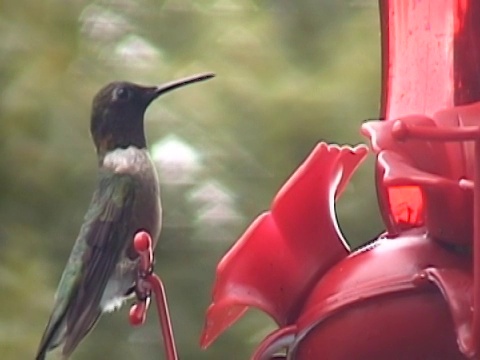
102, 268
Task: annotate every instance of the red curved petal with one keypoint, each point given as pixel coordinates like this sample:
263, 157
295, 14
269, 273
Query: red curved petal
428, 156
277, 260
398, 171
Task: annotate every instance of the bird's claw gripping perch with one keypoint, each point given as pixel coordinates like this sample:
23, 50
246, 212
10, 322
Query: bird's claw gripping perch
147, 283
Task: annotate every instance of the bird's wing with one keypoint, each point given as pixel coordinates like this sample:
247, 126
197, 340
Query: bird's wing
93, 258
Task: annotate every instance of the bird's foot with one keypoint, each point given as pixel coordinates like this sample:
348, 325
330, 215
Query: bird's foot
145, 273
142, 290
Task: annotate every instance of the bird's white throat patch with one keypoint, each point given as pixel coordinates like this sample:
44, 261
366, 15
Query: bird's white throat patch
112, 304
127, 160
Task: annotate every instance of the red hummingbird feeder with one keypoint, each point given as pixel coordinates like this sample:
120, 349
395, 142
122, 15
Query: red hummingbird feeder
413, 293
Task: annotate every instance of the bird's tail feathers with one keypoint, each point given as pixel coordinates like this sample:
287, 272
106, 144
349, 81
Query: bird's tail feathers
52, 337
79, 331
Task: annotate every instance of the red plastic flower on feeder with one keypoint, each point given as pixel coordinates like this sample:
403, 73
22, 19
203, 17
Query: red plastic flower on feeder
425, 172
287, 249
293, 264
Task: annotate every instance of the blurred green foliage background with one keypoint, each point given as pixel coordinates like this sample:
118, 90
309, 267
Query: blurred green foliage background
289, 74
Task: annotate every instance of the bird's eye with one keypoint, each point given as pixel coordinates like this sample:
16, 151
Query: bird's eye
122, 94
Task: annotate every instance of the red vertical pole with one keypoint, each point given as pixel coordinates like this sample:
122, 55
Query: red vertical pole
164, 316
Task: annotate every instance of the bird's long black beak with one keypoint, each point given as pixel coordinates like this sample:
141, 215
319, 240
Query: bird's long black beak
172, 85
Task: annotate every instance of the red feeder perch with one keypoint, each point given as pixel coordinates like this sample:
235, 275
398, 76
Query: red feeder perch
147, 282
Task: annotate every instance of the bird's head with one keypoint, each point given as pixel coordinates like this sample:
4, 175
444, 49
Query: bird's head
118, 110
